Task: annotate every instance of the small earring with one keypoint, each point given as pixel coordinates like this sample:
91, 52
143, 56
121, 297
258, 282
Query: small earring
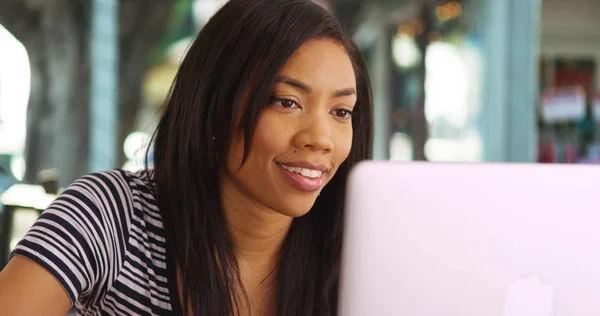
213, 137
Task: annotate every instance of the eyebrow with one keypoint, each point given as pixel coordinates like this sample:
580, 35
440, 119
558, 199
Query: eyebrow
303, 86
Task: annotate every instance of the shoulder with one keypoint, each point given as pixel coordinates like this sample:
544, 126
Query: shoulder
109, 191
113, 183
85, 228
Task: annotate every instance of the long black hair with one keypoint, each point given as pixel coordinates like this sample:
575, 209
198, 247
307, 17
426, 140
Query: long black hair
228, 73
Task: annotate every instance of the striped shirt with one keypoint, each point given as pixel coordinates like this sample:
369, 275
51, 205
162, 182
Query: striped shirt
103, 240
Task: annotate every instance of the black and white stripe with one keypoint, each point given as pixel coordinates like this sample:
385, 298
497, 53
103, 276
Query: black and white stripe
103, 240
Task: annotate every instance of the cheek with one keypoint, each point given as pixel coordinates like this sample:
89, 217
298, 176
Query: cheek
270, 136
269, 140
343, 145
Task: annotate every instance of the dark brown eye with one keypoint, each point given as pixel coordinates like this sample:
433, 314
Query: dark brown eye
342, 113
285, 103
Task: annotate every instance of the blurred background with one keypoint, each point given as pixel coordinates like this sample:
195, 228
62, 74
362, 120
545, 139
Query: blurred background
82, 82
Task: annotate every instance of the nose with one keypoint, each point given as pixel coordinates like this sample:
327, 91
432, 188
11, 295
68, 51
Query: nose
315, 135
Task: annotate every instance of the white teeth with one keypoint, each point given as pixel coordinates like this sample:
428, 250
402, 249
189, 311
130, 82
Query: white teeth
309, 173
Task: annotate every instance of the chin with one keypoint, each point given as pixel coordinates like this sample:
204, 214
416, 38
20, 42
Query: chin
298, 208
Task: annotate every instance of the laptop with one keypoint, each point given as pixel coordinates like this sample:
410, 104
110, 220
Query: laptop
424, 239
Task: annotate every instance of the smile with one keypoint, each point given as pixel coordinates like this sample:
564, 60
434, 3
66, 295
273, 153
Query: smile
304, 179
309, 173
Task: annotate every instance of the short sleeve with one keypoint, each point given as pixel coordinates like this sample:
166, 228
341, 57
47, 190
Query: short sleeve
81, 237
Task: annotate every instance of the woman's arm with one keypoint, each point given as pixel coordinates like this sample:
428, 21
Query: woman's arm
26, 288
74, 249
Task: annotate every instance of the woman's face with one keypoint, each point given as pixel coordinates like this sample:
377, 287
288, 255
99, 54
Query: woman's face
303, 136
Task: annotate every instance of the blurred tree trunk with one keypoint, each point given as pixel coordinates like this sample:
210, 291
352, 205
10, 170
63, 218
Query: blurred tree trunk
57, 38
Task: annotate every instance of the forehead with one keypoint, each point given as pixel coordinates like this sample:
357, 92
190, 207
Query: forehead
321, 63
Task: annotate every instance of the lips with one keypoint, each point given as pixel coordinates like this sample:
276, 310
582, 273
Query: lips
305, 177
306, 172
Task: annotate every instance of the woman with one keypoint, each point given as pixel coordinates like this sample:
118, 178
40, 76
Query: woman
242, 211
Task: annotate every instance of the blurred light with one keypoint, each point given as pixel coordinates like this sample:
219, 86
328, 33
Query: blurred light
177, 51
455, 8
15, 81
17, 167
449, 11
446, 85
417, 26
135, 144
23, 219
405, 52
406, 30
439, 12
401, 147
135, 147
466, 149
25, 195
133, 166
205, 9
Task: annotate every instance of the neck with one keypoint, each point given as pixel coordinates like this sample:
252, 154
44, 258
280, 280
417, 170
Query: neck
257, 232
